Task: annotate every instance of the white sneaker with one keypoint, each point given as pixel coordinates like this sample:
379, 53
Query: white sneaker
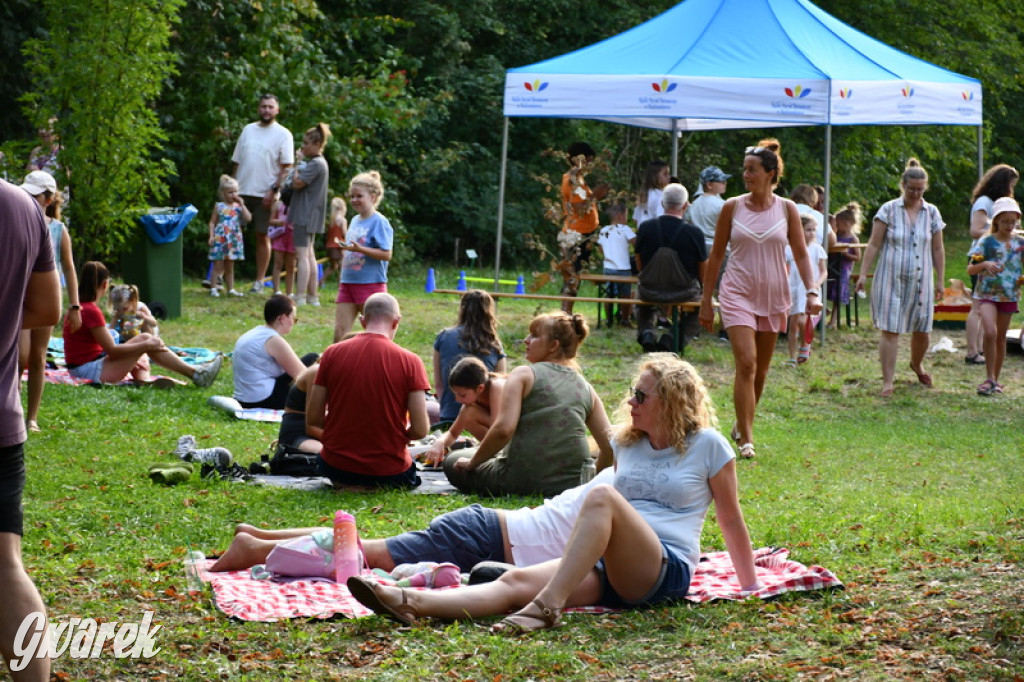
205, 374
278, 293
256, 288
233, 292
299, 300
215, 292
313, 300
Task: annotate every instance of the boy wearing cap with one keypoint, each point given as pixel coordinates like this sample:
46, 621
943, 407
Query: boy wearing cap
704, 210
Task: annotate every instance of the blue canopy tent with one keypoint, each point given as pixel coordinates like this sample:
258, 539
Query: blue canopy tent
726, 64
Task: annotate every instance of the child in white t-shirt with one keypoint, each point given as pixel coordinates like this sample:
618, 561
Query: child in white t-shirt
614, 241
800, 330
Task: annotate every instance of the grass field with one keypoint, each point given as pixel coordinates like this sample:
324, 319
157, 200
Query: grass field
914, 502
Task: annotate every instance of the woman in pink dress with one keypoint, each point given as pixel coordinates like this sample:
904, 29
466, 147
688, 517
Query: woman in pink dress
753, 297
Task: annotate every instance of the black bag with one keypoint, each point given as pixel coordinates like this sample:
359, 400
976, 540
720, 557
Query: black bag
665, 280
292, 462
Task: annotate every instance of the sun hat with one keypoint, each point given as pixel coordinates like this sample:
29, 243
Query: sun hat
38, 182
1005, 205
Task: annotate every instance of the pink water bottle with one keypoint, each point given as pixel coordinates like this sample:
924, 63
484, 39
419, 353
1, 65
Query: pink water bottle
346, 547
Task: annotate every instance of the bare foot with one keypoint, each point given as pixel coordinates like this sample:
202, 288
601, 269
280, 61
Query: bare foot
245, 552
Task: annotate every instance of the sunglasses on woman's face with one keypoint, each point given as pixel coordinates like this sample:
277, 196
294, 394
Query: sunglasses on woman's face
639, 395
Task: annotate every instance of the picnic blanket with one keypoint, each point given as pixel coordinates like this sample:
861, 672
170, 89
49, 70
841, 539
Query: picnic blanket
235, 409
237, 595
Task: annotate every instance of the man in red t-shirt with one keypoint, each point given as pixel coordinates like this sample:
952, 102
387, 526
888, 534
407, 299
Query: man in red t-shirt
367, 402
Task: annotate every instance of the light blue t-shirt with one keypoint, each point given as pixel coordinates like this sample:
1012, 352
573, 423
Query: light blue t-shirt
671, 490
375, 232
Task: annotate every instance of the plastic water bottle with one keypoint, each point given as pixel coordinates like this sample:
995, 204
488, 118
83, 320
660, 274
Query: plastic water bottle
346, 547
587, 471
193, 583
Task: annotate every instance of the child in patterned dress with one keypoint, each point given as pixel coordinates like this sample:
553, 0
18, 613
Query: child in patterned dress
226, 244
997, 260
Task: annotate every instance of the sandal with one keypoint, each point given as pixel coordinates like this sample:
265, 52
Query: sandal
923, 377
747, 451
366, 594
804, 354
987, 387
735, 433
885, 393
791, 362
520, 622
976, 359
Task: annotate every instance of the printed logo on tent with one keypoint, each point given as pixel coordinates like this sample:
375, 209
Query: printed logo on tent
664, 86
843, 106
907, 91
967, 95
906, 106
535, 86
798, 92
845, 93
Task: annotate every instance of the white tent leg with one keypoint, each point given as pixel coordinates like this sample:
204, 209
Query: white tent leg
501, 204
675, 147
981, 151
824, 234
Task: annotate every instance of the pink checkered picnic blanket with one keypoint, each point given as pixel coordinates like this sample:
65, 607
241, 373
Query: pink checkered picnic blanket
239, 596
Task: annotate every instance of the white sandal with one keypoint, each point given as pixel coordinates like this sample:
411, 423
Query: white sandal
747, 451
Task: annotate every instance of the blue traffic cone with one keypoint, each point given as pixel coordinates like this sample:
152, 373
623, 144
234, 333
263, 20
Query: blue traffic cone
429, 288
520, 285
461, 286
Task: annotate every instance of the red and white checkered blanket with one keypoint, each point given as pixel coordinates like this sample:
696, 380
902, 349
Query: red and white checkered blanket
239, 596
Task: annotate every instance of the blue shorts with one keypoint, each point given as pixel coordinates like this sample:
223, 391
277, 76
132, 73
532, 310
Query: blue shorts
673, 583
464, 537
618, 289
90, 370
407, 479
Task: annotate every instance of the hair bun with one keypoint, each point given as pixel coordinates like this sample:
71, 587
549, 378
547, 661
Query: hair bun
770, 144
912, 162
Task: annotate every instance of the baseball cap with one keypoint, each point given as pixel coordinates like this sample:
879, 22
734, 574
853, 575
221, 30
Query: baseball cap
713, 174
1005, 205
38, 182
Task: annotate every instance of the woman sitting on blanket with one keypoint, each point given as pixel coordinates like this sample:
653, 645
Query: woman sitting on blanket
478, 391
264, 363
637, 541
538, 441
91, 353
293, 433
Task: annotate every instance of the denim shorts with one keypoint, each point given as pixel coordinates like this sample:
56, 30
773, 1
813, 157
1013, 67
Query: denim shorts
464, 537
12, 483
90, 370
673, 583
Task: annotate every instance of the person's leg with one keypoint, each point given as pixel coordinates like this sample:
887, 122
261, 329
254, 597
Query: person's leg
313, 286
245, 551
38, 340
792, 342
744, 353
289, 273
262, 257
609, 527
275, 271
1002, 326
302, 267
218, 275
21, 598
975, 330
918, 348
229, 275
344, 318
765, 347
888, 345
477, 420
987, 322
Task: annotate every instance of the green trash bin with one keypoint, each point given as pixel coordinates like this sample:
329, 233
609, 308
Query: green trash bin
154, 263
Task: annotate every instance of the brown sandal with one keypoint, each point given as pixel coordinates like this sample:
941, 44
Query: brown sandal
365, 592
520, 622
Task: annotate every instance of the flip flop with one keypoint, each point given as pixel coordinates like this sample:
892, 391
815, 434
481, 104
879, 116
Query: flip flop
365, 593
804, 354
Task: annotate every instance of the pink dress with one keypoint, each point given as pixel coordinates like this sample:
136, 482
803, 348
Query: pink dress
755, 287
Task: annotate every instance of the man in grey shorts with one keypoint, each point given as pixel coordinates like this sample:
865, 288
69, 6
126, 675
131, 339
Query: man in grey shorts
31, 292
263, 154
464, 537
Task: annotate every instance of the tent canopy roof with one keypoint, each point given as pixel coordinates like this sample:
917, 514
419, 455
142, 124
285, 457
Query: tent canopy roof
743, 63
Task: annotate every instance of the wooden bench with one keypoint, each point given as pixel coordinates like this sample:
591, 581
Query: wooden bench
679, 340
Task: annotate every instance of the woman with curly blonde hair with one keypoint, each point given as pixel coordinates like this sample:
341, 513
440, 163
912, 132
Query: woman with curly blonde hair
636, 541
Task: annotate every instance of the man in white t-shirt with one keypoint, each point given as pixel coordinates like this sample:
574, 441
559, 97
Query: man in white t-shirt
263, 154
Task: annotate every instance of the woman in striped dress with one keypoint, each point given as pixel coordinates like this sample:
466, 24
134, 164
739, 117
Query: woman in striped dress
906, 238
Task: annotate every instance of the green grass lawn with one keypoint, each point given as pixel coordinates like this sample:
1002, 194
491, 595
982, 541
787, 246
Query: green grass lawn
914, 502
